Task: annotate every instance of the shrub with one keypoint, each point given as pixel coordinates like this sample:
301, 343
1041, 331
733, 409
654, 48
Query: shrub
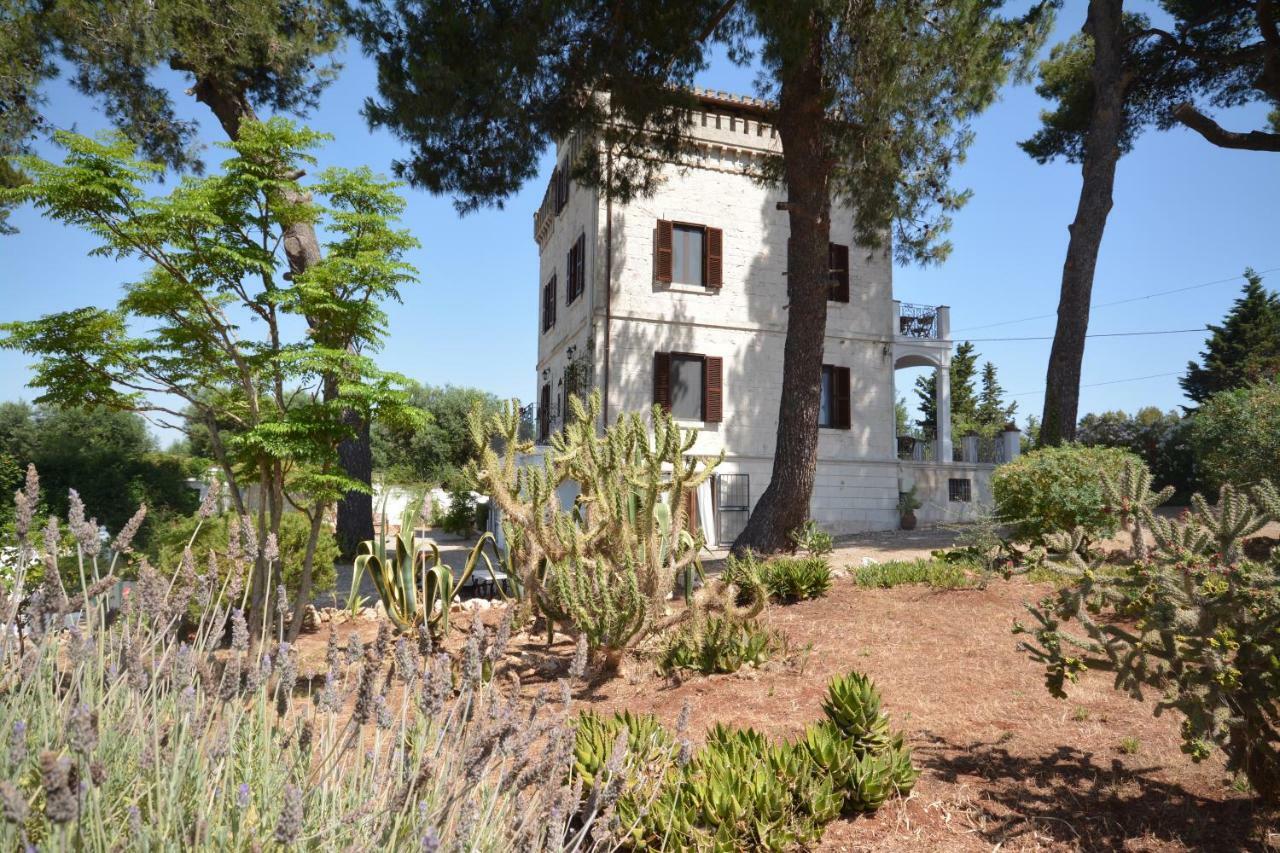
460, 518
1057, 489
942, 574
131, 733
742, 791
1200, 628
791, 579
719, 644
812, 539
786, 579
1236, 434
172, 536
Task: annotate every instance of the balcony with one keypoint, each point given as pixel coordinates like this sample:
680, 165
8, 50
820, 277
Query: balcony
921, 322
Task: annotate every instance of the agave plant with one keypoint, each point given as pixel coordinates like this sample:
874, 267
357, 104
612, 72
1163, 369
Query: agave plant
415, 585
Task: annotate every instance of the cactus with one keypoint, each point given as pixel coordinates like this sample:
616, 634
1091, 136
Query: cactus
1130, 497
1195, 623
607, 563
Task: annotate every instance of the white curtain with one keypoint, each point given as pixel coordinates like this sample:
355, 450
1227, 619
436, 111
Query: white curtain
706, 518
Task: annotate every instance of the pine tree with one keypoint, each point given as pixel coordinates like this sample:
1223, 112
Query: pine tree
993, 412
1244, 349
901, 79
964, 396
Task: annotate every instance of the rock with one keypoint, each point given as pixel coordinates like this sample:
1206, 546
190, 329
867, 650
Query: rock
311, 619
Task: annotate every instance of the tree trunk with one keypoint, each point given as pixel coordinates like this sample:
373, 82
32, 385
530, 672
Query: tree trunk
303, 598
1098, 170
355, 510
807, 167
302, 249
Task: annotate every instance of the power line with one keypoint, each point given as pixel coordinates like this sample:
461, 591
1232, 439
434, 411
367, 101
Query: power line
1109, 382
1119, 301
1096, 335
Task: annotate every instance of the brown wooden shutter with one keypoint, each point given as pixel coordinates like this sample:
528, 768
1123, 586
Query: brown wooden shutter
551, 301
662, 380
663, 254
842, 415
582, 265
544, 413
839, 272
714, 274
713, 389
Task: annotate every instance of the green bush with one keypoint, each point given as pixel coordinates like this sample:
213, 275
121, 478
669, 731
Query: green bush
718, 644
1057, 489
1236, 435
460, 518
812, 539
941, 574
171, 537
786, 579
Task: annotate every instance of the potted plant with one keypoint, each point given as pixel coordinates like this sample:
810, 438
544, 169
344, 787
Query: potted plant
908, 503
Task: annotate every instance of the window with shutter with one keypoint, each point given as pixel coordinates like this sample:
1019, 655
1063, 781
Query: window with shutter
549, 304
688, 254
662, 252
714, 276
839, 272
713, 384
833, 410
662, 380
544, 413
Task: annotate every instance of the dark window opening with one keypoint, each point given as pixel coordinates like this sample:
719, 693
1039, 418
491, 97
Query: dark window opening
687, 244
686, 387
960, 490
549, 304
733, 505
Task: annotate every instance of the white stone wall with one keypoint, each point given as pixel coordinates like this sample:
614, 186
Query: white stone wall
744, 322
933, 491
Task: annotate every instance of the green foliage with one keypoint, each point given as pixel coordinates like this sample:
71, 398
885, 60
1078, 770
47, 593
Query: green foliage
1193, 623
1056, 489
908, 501
173, 536
1161, 439
437, 448
415, 585
606, 564
1244, 349
460, 519
741, 791
718, 644
277, 396
937, 573
992, 413
1129, 496
107, 456
812, 539
1236, 434
791, 579
786, 579
275, 57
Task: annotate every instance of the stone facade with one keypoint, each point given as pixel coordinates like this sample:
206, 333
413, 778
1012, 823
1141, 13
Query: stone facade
626, 314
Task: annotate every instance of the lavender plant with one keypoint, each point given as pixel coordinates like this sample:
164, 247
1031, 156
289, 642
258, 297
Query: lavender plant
126, 733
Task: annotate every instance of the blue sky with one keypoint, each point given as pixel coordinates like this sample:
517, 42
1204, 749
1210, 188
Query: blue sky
1185, 213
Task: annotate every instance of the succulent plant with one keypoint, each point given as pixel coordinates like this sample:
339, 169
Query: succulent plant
853, 705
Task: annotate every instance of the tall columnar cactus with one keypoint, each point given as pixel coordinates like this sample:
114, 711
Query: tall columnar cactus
615, 554
1130, 497
1195, 623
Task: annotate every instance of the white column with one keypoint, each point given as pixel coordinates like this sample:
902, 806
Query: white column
1012, 444
942, 381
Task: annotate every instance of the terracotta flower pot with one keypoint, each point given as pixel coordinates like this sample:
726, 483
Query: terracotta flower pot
909, 520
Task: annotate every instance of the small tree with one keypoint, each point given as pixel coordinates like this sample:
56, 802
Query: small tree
1244, 349
214, 245
993, 413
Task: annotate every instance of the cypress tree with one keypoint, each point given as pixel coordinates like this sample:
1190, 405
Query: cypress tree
1244, 349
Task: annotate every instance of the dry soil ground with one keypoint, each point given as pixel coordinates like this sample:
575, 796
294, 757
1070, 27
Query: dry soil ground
1004, 766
